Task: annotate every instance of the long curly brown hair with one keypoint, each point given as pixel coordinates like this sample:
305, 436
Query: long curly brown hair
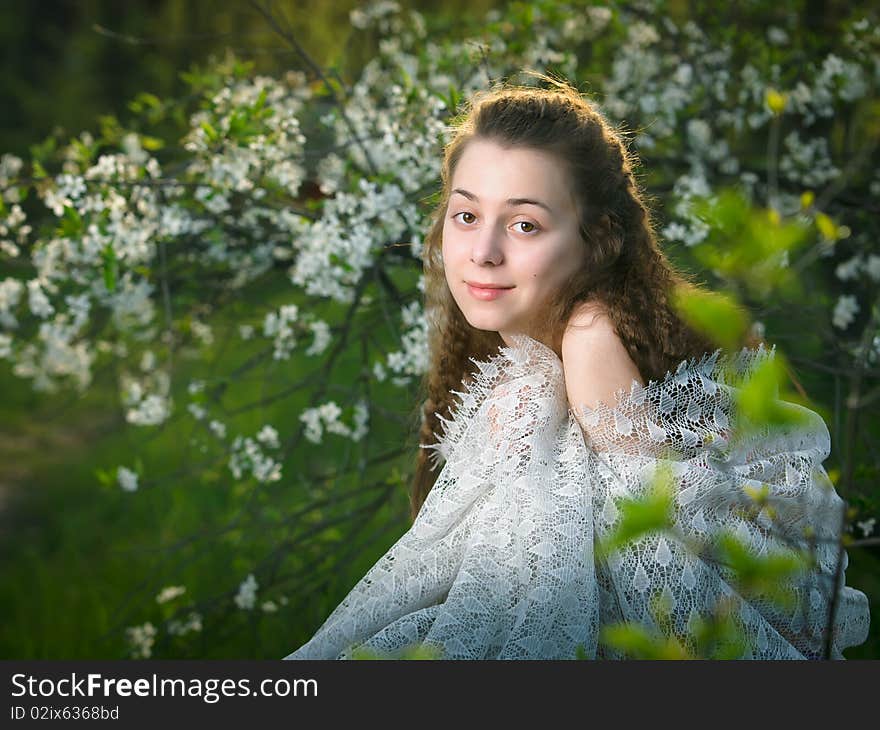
625, 271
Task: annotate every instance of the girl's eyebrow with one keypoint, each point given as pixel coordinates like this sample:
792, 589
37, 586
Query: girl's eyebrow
511, 202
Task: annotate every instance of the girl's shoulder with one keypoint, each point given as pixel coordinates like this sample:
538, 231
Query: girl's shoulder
590, 313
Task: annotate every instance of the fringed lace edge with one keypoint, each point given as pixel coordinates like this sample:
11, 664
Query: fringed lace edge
731, 369
518, 358
514, 361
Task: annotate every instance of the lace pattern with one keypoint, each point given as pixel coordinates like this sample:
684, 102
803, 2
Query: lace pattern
500, 562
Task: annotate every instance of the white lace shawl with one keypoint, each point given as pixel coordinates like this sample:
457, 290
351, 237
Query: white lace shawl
501, 563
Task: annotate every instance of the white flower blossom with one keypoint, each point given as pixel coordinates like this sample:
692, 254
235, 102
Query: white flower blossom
127, 479
322, 338
141, 638
197, 411
193, 622
278, 325
38, 301
169, 593
13, 227
412, 358
148, 361
849, 269
131, 303
340, 246
360, 419
845, 311
151, 411
268, 436
808, 163
195, 386
10, 294
867, 526
643, 34
246, 597
331, 174
246, 455
326, 418
699, 133
131, 145
202, 332
55, 356
321, 417
777, 36
10, 167
314, 430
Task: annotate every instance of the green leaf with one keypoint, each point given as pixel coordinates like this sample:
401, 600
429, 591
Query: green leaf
771, 575
827, 227
71, 224
241, 69
748, 245
719, 635
83, 152
637, 642
151, 143
111, 130
758, 400
361, 654
261, 100
713, 314
42, 152
421, 652
110, 267
105, 477
145, 99
210, 132
454, 99
639, 516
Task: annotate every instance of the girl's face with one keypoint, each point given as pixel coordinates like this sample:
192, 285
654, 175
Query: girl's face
511, 222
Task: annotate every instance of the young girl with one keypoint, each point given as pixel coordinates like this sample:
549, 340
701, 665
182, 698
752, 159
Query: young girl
551, 305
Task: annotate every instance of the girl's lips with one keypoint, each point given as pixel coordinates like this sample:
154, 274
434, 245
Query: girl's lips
486, 295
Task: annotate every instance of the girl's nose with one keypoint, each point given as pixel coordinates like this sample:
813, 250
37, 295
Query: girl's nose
487, 247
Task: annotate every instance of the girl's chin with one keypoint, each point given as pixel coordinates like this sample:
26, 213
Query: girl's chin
489, 324
482, 326
484, 320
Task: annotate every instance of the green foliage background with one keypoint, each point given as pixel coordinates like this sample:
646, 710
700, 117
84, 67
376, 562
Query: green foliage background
77, 556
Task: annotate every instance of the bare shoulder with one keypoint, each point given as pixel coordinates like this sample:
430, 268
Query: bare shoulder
594, 359
589, 327
586, 314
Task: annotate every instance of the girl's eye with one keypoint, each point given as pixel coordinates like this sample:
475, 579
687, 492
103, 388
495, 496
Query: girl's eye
526, 223
532, 228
